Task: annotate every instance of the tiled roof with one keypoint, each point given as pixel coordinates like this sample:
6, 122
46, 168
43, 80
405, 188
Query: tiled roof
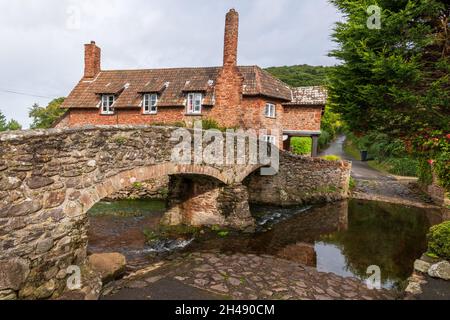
309, 96
172, 84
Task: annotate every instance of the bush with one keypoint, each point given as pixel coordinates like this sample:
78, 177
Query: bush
424, 172
331, 157
402, 166
439, 240
325, 139
208, 124
301, 146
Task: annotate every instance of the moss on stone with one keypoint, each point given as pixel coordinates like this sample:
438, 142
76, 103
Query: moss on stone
439, 240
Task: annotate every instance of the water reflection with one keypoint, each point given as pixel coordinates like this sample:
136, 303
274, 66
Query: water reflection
343, 238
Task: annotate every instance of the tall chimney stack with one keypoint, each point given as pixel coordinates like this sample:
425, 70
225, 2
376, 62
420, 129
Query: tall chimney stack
92, 58
231, 39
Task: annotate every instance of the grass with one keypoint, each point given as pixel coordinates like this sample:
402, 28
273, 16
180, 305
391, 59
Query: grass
352, 184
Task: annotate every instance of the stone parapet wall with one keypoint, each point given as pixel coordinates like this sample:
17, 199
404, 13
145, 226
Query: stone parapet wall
301, 180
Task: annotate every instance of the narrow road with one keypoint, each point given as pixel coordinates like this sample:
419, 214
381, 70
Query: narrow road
360, 169
372, 184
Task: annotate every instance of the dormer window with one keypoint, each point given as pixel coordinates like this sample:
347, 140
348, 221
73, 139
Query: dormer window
150, 103
270, 110
194, 103
107, 103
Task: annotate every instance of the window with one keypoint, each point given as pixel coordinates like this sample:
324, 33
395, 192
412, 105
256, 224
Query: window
107, 103
150, 102
270, 139
269, 111
194, 103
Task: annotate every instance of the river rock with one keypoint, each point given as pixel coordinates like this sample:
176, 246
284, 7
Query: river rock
422, 266
110, 266
440, 270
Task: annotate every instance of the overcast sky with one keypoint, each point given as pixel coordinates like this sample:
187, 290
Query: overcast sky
42, 41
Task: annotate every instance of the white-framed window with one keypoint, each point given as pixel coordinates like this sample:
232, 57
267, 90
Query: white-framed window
270, 110
194, 103
150, 103
270, 139
107, 103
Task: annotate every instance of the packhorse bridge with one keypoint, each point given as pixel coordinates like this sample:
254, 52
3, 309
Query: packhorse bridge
49, 179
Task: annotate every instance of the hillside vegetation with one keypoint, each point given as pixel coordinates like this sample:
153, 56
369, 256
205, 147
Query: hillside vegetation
301, 75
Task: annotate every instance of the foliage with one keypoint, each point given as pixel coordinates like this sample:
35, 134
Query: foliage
389, 154
434, 147
223, 233
177, 124
425, 173
45, 117
2, 121
138, 185
352, 183
301, 75
10, 125
331, 157
13, 125
396, 80
439, 240
208, 124
301, 145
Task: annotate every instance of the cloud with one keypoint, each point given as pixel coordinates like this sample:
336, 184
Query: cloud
42, 41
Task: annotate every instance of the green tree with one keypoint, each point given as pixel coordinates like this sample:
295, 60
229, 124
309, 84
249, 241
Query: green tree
395, 80
2, 121
43, 118
13, 125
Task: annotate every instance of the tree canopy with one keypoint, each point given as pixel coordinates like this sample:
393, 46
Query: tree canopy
44, 117
395, 79
8, 125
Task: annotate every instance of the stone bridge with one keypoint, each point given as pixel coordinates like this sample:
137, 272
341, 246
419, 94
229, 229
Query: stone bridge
49, 179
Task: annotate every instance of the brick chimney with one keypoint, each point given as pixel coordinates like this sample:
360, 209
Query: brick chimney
92, 58
231, 39
227, 109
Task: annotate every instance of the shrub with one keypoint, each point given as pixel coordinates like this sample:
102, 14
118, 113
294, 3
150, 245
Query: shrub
331, 157
301, 145
208, 124
439, 240
325, 139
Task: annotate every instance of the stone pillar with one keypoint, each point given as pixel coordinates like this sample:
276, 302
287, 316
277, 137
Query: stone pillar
203, 201
315, 146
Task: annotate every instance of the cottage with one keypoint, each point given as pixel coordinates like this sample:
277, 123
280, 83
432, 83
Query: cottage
235, 96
